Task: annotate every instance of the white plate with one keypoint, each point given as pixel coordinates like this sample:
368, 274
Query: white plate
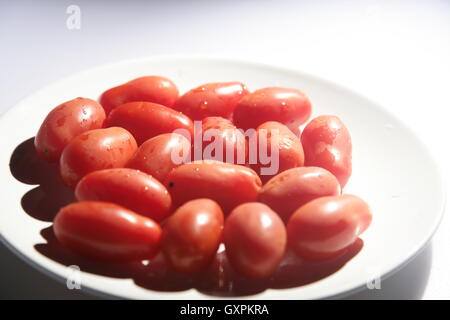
393, 171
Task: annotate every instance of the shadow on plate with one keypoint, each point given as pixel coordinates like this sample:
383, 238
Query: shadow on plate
44, 201
218, 280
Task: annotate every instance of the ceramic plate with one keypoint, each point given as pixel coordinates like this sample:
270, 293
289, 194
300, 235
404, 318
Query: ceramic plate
393, 172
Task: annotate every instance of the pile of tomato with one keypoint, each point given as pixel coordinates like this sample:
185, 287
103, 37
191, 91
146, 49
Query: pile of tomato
134, 200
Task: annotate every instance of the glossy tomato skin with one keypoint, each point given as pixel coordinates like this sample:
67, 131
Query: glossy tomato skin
159, 155
132, 189
255, 240
227, 184
149, 88
277, 136
146, 120
291, 189
288, 106
323, 228
96, 150
233, 140
192, 235
65, 122
107, 231
211, 100
327, 144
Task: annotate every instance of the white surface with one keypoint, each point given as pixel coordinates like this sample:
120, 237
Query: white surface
395, 52
405, 214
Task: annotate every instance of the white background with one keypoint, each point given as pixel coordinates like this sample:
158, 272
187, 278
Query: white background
394, 52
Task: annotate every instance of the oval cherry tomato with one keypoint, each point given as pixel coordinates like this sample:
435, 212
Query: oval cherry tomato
218, 131
293, 188
227, 184
255, 240
192, 235
65, 122
327, 144
107, 231
95, 150
211, 100
323, 228
150, 88
288, 106
146, 120
282, 147
159, 155
129, 188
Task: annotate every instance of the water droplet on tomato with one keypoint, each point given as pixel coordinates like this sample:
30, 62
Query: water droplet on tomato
203, 105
